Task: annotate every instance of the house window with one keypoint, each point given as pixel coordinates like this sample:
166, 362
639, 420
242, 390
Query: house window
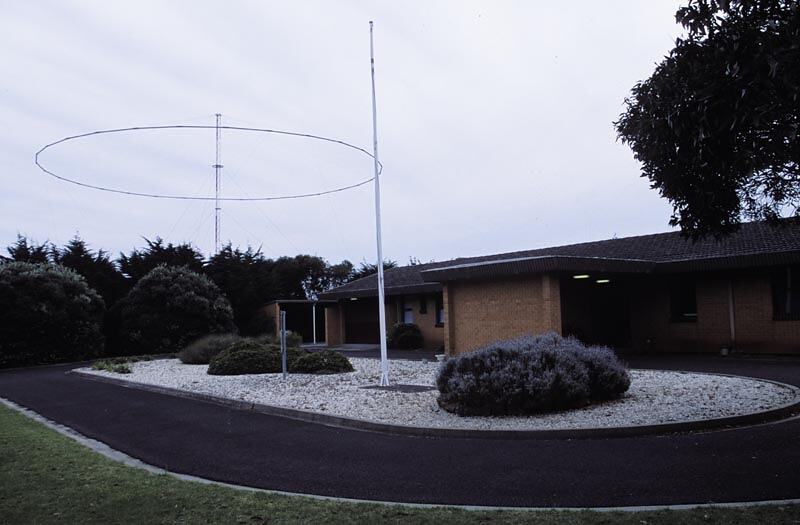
439, 312
786, 293
423, 305
405, 311
683, 300
408, 314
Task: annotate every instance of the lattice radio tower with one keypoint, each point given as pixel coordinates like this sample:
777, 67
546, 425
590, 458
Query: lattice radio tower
217, 209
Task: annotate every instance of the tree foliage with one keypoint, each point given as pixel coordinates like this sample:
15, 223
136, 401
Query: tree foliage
98, 269
49, 314
24, 250
716, 125
245, 278
141, 261
170, 307
366, 269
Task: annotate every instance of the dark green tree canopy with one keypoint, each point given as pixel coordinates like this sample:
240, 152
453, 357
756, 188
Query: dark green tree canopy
97, 268
716, 125
141, 261
170, 307
49, 314
24, 250
365, 269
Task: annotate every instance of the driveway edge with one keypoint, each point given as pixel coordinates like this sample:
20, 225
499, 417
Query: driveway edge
130, 461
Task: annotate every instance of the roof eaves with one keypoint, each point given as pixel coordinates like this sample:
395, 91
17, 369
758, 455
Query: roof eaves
536, 264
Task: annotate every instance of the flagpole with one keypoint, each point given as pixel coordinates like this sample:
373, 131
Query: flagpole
384, 381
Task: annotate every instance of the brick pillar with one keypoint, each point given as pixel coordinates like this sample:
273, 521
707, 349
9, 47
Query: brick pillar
334, 335
449, 319
551, 300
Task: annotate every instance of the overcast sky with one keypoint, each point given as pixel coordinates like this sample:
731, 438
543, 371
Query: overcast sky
494, 122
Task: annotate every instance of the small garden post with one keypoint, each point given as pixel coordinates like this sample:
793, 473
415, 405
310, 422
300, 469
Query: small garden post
283, 344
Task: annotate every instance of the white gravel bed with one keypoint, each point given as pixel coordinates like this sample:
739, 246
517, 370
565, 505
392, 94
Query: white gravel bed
654, 396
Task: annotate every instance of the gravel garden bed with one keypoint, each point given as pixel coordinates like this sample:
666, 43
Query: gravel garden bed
654, 397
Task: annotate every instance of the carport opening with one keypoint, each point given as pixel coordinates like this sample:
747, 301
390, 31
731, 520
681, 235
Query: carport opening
596, 309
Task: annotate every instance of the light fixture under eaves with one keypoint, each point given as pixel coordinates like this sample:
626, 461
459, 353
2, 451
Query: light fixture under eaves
581, 276
603, 281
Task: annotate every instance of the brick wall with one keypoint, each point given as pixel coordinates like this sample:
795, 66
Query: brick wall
479, 312
755, 329
432, 335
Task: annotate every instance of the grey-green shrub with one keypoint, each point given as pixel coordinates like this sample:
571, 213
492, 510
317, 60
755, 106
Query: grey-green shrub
170, 307
529, 375
323, 362
48, 314
200, 351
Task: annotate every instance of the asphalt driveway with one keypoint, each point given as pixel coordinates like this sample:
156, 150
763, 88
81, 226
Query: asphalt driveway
215, 442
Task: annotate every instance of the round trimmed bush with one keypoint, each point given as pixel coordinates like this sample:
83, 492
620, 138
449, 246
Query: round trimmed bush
246, 357
49, 315
251, 356
202, 350
324, 362
293, 339
170, 307
405, 336
529, 375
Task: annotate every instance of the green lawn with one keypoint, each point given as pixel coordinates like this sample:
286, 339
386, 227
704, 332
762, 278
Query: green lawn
47, 478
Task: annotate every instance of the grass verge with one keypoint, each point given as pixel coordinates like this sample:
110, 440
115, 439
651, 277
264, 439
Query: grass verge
46, 477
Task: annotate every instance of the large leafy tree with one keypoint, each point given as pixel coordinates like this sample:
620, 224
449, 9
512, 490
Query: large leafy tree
24, 250
716, 125
98, 269
245, 278
141, 261
366, 269
49, 314
170, 307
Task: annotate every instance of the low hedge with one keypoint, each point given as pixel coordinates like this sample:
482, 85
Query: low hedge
404, 336
530, 375
250, 356
324, 362
201, 351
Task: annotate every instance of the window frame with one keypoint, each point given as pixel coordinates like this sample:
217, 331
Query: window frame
678, 302
439, 313
785, 292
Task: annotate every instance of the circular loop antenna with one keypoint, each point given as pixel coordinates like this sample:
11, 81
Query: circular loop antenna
194, 198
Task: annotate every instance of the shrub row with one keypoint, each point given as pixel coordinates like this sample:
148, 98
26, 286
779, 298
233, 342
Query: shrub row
530, 375
250, 356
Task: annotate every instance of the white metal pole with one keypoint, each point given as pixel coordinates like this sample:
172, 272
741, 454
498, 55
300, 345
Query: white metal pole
384, 381
314, 320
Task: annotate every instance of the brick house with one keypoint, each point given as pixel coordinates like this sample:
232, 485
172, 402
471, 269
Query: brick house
656, 293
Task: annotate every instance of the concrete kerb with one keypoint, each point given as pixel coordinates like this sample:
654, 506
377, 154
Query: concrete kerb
130, 461
781, 412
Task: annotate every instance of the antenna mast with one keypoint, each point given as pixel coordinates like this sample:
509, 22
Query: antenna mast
217, 166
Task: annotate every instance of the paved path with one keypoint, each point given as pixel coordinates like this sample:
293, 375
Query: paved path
191, 437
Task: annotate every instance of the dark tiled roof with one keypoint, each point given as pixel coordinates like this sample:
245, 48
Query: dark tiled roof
754, 244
